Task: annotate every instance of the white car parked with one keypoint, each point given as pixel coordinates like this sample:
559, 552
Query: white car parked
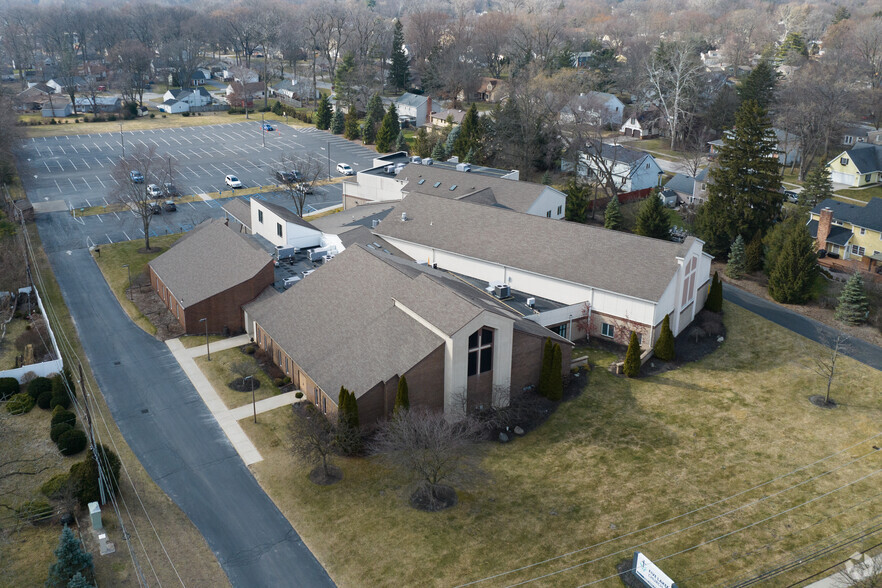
232, 182
344, 169
154, 191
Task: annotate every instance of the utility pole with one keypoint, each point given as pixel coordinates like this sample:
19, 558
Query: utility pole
101, 480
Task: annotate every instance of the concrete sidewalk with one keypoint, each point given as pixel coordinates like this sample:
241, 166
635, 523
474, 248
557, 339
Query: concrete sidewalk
226, 418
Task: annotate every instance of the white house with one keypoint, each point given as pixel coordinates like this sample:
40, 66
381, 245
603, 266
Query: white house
200, 76
593, 108
633, 170
415, 108
282, 227
57, 110
193, 97
249, 76
173, 106
641, 125
579, 278
59, 87
786, 144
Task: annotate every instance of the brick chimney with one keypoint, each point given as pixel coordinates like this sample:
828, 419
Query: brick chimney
824, 227
429, 110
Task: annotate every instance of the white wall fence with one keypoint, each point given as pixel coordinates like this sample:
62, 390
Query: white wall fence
43, 368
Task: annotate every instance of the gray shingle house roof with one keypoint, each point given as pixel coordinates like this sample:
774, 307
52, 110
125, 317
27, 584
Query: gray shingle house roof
210, 259
409, 99
681, 183
838, 235
869, 216
866, 157
239, 210
618, 153
614, 261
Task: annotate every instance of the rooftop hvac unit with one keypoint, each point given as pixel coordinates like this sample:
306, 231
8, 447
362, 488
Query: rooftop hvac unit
389, 169
463, 167
428, 161
404, 216
531, 302
502, 291
374, 223
399, 167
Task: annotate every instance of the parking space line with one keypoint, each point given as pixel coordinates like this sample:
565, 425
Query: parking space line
100, 182
60, 191
191, 205
47, 166
88, 187
87, 164
98, 216
108, 237
127, 236
116, 215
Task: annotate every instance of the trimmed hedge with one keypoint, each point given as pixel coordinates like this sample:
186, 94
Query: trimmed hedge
58, 430
38, 385
72, 442
44, 400
63, 416
53, 486
9, 387
84, 476
20, 404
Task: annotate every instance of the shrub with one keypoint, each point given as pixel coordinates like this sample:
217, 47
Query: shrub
84, 476
286, 380
53, 486
20, 404
58, 430
278, 382
632, 357
8, 387
250, 349
555, 378
298, 395
44, 400
64, 416
61, 400
33, 510
72, 442
111, 117
38, 385
186, 113
714, 302
152, 115
664, 346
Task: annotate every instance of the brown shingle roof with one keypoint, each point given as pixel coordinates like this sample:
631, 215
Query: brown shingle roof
583, 254
207, 261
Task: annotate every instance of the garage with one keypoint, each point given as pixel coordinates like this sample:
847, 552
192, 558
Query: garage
842, 178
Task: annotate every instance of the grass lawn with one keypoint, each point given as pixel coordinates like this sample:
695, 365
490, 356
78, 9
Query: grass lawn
26, 552
659, 145
219, 374
111, 261
624, 455
865, 194
8, 349
190, 341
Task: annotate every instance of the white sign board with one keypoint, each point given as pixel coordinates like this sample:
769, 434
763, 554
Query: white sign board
650, 573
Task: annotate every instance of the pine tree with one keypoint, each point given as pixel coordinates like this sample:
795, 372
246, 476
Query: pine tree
632, 357
389, 130
545, 375
841, 14
612, 216
369, 131
352, 409
351, 130
753, 256
323, 114
664, 345
344, 89
577, 201
546, 178
744, 196
402, 401
796, 268
451, 139
399, 72
817, 188
555, 377
853, 304
375, 110
469, 136
70, 559
421, 144
759, 85
342, 407
401, 143
438, 151
652, 219
338, 122
714, 302
79, 581
737, 259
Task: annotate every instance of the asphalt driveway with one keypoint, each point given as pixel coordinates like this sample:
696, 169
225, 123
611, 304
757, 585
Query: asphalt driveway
175, 437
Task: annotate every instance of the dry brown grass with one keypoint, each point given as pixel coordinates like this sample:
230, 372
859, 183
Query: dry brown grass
190, 341
622, 456
219, 374
31, 548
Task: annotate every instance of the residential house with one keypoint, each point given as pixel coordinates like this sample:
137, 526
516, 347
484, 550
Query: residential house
581, 279
859, 166
241, 75
581, 58
210, 274
786, 144
173, 106
282, 227
59, 86
849, 231
593, 108
856, 133
414, 108
200, 76
57, 109
183, 100
240, 95
643, 124
102, 104
367, 319
713, 60
440, 118
488, 90
34, 97
289, 91
632, 170
689, 190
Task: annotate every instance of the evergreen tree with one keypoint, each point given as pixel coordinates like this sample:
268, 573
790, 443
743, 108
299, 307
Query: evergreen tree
70, 559
612, 216
753, 257
402, 401
737, 259
323, 114
351, 130
547, 360
369, 131
773, 243
632, 357
344, 89
744, 195
796, 268
401, 143
818, 187
451, 139
793, 49
421, 144
714, 302
399, 72
841, 14
375, 110
853, 304
342, 407
652, 219
577, 201
555, 376
389, 130
438, 151
469, 136
352, 409
79, 581
759, 85
664, 345
338, 122
546, 178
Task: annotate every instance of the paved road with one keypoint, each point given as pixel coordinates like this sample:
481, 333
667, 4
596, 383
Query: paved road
858, 349
175, 437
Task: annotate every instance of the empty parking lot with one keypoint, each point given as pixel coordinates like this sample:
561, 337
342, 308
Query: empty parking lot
77, 169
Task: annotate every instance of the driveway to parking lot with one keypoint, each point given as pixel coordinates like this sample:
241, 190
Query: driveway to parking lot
77, 169
173, 434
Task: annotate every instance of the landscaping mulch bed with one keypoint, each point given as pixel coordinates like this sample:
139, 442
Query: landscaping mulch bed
243, 385
152, 307
697, 341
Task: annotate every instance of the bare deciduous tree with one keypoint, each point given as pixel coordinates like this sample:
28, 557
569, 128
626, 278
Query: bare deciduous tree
153, 169
314, 440
131, 59
824, 363
673, 74
865, 572
298, 175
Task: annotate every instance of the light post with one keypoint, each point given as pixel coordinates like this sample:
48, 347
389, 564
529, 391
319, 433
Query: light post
207, 348
122, 140
253, 404
129, 271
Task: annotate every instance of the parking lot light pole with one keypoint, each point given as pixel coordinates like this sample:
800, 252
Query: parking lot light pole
129, 270
253, 404
207, 348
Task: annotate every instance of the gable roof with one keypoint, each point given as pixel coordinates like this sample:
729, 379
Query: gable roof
354, 298
287, 215
239, 210
210, 259
867, 157
614, 261
409, 99
681, 183
618, 153
869, 216
470, 186
837, 235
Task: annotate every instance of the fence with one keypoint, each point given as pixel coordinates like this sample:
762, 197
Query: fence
624, 198
210, 108
43, 368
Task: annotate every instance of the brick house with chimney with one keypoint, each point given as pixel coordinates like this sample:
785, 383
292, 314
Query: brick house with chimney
849, 231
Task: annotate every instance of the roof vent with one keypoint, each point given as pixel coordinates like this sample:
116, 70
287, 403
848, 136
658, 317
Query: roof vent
403, 216
531, 302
